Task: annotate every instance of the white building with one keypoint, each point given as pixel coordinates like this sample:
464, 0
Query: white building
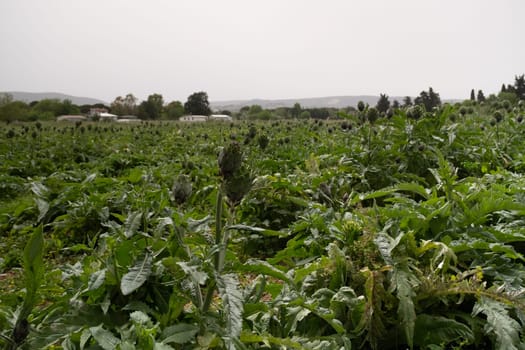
193, 118
107, 116
221, 117
71, 118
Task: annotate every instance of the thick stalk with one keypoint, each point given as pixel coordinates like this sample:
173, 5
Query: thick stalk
218, 229
219, 246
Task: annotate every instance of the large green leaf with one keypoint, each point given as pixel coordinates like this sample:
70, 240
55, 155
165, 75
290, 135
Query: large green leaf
136, 275
264, 268
406, 283
232, 301
180, 333
132, 223
436, 330
499, 324
104, 338
33, 269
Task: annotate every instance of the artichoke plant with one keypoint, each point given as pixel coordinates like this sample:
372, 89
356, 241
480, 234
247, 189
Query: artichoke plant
182, 189
230, 159
236, 178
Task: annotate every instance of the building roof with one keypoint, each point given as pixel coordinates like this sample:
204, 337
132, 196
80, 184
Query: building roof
71, 118
221, 116
189, 118
107, 115
128, 117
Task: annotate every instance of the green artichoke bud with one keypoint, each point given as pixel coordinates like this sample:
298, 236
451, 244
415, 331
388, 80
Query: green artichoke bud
263, 141
372, 114
182, 189
415, 112
498, 116
238, 185
230, 159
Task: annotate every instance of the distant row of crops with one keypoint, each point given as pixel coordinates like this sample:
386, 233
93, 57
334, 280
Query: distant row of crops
383, 231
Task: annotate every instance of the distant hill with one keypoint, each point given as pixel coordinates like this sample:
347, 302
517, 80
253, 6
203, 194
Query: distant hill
314, 102
37, 96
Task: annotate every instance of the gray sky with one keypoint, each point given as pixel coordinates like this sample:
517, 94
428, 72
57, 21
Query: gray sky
241, 49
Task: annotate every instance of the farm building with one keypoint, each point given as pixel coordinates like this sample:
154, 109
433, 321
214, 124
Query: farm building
107, 116
71, 118
194, 118
128, 119
221, 117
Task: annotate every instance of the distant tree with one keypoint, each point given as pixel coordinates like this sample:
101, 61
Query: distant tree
428, 99
55, 107
125, 105
305, 115
197, 104
319, 113
67, 108
509, 96
255, 109
383, 103
503, 88
360, 106
481, 96
15, 110
407, 101
225, 112
396, 104
152, 107
296, 110
519, 86
472, 95
174, 110
263, 115
5, 98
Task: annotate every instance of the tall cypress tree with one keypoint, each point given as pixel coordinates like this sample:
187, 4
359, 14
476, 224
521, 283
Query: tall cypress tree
481, 96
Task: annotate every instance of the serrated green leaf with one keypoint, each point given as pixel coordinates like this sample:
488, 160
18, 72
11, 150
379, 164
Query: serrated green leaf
406, 284
132, 223
499, 324
233, 307
136, 276
431, 329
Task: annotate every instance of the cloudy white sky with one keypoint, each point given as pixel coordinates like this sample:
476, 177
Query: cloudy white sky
242, 49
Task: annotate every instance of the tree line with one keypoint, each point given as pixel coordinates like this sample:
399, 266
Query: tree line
155, 108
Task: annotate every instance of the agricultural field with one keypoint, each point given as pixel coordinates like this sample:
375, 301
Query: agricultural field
398, 232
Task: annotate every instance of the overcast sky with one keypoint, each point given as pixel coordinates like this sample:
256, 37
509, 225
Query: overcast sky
243, 49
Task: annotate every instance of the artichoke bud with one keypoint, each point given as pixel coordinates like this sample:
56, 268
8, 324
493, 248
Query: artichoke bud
182, 189
237, 185
230, 159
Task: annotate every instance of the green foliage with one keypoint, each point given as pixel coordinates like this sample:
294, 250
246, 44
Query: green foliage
152, 107
402, 233
197, 104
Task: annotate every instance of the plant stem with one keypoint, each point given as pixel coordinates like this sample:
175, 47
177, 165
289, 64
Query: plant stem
218, 229
220, 248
